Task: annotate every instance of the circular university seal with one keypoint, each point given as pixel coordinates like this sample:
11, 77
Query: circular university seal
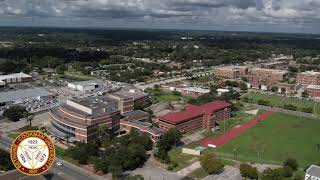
32, 153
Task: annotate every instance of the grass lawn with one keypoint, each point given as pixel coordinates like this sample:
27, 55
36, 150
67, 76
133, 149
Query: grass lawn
279, 101
273, 140
62, 154
163, 96
239, 118
168, 98
198, 174
181, 159
13, 134
76, 77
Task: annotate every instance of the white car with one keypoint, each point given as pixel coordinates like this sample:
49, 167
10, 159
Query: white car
59, 163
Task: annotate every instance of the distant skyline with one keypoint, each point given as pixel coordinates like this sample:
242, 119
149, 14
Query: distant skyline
286, 16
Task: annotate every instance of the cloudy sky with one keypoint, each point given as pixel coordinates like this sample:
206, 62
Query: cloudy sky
301, 16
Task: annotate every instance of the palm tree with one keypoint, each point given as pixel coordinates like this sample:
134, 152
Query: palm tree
29, 119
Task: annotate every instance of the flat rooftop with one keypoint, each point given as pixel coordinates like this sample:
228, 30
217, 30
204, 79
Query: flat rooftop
135, 94
313, 87
274, 71
197, 89
15, 75
314, 170
87, 83
193, 111
99, 104
23, 94
310, 73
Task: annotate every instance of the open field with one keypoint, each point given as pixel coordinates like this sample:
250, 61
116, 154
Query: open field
239, 118
168, 98
280, 101
163, 96
182, 160
278, 137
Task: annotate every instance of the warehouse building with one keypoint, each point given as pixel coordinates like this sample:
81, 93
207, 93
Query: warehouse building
85, 86
15, 78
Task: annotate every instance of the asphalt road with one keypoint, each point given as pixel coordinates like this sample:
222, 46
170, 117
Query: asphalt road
68, 171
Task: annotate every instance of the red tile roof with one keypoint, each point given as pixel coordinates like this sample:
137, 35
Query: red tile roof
193, 111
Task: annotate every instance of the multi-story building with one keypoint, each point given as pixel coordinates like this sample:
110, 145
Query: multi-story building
308, 78
194, 118
125, 103
15, 78
137, 97
86, 86
230, 72
266, 77
138, 120
81, 118
313, 90
186, 90
285, 88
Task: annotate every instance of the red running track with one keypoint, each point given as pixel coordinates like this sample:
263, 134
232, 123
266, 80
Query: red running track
234, 132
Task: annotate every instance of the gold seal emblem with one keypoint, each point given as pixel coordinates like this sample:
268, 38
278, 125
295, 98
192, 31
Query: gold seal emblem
32, 153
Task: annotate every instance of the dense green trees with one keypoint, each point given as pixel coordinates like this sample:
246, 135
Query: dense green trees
83, 152
124, 153
15, 113
248, 171
168, 140
5, 162
272, 174
116, 155
211, 163
292, 163
290, 107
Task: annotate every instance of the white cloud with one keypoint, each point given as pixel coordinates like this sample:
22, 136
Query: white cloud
186, 11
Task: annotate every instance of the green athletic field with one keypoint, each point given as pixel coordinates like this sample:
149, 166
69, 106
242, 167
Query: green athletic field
279, 101
278, 137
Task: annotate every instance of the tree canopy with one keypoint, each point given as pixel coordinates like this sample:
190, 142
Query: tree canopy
15, 113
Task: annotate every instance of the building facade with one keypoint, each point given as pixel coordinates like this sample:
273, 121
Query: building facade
15, 78
308, 78
194, 118
267, 77
135, 97
230, 72
313, 90
81, 118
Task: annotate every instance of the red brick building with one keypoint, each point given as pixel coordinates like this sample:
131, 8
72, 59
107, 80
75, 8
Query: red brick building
313, 90
194, 118
308, 78
230, 72
267, 77
80, 118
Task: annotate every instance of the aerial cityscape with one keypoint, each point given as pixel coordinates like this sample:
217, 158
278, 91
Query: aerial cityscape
160, 90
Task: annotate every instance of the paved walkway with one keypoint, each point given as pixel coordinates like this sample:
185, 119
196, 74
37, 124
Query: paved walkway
229, 173
151, 171
189, 169
234, 132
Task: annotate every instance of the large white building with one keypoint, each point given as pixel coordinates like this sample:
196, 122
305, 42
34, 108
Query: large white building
313, 173
15, 78
85, 86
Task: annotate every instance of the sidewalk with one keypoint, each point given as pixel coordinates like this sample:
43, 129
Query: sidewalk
189, 169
